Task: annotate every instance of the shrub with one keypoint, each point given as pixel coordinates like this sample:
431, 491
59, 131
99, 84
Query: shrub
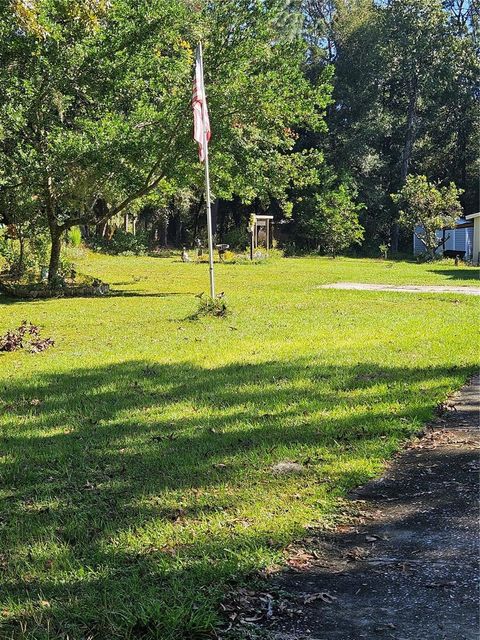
237, 238
23, 254
9, 250
122, 243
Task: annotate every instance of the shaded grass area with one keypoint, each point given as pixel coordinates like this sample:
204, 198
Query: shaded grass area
136, 457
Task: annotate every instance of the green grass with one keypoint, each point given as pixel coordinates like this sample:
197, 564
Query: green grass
136, 455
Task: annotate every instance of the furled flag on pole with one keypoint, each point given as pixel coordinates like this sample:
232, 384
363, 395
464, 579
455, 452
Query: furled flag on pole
201, 122
201, 134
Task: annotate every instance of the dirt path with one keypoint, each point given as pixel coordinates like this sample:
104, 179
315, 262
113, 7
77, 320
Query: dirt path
358, 286
406, 567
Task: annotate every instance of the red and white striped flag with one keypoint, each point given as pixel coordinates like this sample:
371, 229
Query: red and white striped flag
201, 122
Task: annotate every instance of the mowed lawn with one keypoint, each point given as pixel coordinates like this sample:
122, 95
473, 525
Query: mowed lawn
136, 456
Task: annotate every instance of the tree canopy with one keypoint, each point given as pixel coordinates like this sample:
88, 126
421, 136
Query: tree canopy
427, 208
405, 94
311, 101
95, 104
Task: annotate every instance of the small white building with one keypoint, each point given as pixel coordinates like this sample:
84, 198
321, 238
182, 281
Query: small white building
457, 239
475, 218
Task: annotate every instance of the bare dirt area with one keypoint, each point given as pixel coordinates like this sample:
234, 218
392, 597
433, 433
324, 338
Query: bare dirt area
359, 286
404, 567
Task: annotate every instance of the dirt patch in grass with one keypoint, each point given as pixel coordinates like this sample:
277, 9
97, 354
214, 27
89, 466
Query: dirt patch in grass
359, 286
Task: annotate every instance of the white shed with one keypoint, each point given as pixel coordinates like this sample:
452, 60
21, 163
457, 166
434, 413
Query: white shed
459, 238
475, 217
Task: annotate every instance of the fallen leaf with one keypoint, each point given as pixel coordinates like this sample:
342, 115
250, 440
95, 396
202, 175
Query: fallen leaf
324, 596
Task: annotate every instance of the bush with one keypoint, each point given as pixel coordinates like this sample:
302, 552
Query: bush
237, 238
9, 250
35, 253
122, 243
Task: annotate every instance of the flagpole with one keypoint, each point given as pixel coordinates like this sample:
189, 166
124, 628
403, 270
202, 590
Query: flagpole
207, 183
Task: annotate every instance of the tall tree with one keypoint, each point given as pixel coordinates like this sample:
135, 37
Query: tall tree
405, 96
95, 103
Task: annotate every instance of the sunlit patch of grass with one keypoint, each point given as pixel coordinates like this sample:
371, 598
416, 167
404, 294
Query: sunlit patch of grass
138, 484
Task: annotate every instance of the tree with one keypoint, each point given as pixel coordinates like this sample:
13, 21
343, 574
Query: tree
427, 208
405, 97
328, 218
95, 104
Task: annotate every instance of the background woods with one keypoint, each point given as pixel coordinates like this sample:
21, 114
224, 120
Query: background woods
320, 110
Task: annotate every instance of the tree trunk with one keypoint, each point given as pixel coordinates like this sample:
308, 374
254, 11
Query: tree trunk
410, 132
56, 239
21, 257
165, 230
407, 151
394, 236
196, 218
55, 232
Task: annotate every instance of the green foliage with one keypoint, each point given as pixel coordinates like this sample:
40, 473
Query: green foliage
329, 220
95, 104
9, 250
427, 208
406, 97
23, 254
208, 306
237, 238
338, 225
74, 237
38, 247
384, 249
123, 243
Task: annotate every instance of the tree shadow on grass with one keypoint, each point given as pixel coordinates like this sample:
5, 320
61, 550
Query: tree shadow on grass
126, 485
458, 274
5, 300
413, 562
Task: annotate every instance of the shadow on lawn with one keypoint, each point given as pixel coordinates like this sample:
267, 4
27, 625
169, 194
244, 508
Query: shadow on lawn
125, 293
422, 520
458, 274
106, 466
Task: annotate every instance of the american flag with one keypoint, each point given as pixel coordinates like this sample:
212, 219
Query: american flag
200, 110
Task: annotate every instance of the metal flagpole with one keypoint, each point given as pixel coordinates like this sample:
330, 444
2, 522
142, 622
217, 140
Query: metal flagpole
207, 181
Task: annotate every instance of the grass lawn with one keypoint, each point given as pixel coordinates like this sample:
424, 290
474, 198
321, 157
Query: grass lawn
136, 455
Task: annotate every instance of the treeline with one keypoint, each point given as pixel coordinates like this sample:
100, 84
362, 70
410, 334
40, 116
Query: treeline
405, 98
319, 111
